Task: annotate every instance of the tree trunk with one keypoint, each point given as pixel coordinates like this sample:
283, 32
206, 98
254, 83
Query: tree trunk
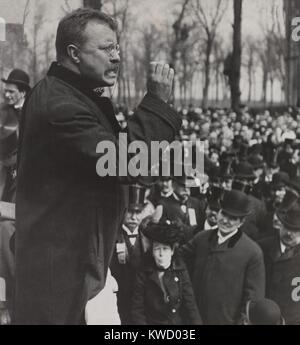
250, 82
236, 56
207, 73
264, 86
217, 82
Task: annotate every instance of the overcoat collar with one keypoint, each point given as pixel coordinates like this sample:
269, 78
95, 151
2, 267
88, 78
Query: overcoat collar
213, 239
88, 89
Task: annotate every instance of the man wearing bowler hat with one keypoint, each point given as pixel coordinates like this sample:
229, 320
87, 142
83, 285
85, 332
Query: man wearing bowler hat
226, 266
15, 90
282, 259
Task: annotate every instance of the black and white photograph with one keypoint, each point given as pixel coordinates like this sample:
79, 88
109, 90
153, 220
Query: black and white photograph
150, 164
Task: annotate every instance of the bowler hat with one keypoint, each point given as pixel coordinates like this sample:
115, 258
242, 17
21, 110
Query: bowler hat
264, 312
256, 161
244, 170
165, 232
290, 218
235, 203
294, 183
279, 180
18, 77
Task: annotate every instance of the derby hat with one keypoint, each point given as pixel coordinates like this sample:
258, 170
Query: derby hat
279, 180
256, 161
235, 203
290, 217
244, 170
264, 312
294, 183
18, 77
166, 232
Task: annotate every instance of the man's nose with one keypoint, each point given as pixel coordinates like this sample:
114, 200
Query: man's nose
115, 57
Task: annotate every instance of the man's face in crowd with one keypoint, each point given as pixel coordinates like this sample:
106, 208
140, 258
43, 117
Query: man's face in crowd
278, 195
228, 223
211, 216
165, 186
96, 63
132, 219
181, 191
12, 95
289, 238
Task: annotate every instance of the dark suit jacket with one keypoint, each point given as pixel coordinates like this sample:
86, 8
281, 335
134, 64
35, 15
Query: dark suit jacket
281, 269
68, 216
124, 273
224, 276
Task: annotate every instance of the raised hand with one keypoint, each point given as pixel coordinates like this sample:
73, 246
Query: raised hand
161, 78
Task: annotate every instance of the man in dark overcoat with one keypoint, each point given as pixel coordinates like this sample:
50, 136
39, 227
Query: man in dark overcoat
226, 266
282, 260
67, 215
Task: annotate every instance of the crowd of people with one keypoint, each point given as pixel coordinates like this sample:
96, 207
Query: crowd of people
225, 251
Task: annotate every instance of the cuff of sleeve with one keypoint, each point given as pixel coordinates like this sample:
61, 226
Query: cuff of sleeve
163, 110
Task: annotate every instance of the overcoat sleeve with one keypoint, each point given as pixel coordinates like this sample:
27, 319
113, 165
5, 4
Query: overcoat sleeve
190, 309
138, 310
76, 131
254, 288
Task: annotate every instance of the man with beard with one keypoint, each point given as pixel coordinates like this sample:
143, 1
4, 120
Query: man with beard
180, 206
67, 215
226, 266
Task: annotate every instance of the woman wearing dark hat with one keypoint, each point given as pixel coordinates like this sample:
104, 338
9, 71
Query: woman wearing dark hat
163, 293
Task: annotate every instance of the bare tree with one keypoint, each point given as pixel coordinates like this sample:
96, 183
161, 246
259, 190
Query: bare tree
236, 57
180, 35
208, 20
251, 52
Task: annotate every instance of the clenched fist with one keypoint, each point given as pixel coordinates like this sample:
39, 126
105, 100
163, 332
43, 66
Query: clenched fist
161, 78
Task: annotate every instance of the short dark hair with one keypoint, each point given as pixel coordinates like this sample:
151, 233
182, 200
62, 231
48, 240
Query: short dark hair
71, 28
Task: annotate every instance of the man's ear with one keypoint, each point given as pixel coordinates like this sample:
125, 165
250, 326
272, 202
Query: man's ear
73, 53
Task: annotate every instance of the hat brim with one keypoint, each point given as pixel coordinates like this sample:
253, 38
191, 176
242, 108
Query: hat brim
235, 213
282, 217
17, 82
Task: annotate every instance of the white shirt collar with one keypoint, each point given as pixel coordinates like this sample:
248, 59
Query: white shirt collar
166, 195
222, 239
135, 232
20, 105
282, 247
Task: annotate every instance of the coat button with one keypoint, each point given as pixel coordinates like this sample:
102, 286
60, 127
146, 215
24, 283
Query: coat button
173, 311
176, 279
